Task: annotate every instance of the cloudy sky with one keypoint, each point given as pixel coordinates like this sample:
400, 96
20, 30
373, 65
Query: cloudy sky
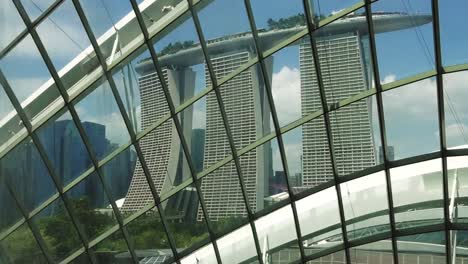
410, 112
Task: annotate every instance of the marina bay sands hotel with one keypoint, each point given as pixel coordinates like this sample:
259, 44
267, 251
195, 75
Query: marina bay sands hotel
343, 58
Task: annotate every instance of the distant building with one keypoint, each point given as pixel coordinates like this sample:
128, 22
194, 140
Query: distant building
390, 154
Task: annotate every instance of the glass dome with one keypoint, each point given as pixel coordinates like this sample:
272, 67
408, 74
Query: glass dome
229, 131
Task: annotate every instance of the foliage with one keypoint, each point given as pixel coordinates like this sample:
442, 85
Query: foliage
176, 46
289, 22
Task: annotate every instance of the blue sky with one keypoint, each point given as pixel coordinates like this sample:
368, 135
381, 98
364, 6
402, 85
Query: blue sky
411, 122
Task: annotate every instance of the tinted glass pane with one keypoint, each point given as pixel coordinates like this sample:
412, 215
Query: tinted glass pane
21, 247
456, 119
457, 187
14, 23
237, 246
427, 247
453, 34
112, 249
10, 122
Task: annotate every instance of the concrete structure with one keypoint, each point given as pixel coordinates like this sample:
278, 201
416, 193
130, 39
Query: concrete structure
342, 61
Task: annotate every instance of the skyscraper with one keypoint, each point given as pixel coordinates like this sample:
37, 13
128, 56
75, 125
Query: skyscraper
248, 116
344, 75
161, 148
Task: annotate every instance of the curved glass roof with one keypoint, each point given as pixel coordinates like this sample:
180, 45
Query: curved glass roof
228, 131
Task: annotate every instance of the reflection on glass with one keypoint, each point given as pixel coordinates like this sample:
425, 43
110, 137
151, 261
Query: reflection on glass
264, 176
10, 16
203, 255
21, 247
411, 121
147, 235
376, 252
456, 119
185, 224
82, 259
91, 206
322, 9
58, 231
240, 240
308, 155
228, 35
293, 80
113, 249
457, 171
365, 205
246, 105
204, 132
35, 8
417, 194
101, 120
333, 258
29, 78
27, 175
224, 201
118, 174
405, 45
319, 235
7, 204
67, 45
461, 247
115, 27
277, 235
422, 248
157, 13
140, 94
274, 27
453, 33
356, 136
181, 58
60, 138
10, 122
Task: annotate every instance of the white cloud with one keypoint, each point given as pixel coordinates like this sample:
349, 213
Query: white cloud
388, 79
454, 134
334, 12
287, 94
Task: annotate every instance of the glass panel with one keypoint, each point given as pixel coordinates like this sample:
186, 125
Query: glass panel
308, 155
376, 252
181, 59
422, 248
277, 234
228, 35
417, 194
204, 132
344, 56
461, 246
224, 202
246, 105
113, 249
115, 27
35, 8
453, 33
82, 259
365, 206
29, 78
91, 206
457, 171
333, 258
101, 120
411, 121
356, 136
12, 24
238, 246
456, 119
293, 81
140, 89
325, 8
57, 230
320, 235
147, 235
64, 147
263, 175
404, 38
204, 255
181, 211
7, 204
156, 14
118, 174
68, 46
273, 27
10, 122
27, 175
21, 247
